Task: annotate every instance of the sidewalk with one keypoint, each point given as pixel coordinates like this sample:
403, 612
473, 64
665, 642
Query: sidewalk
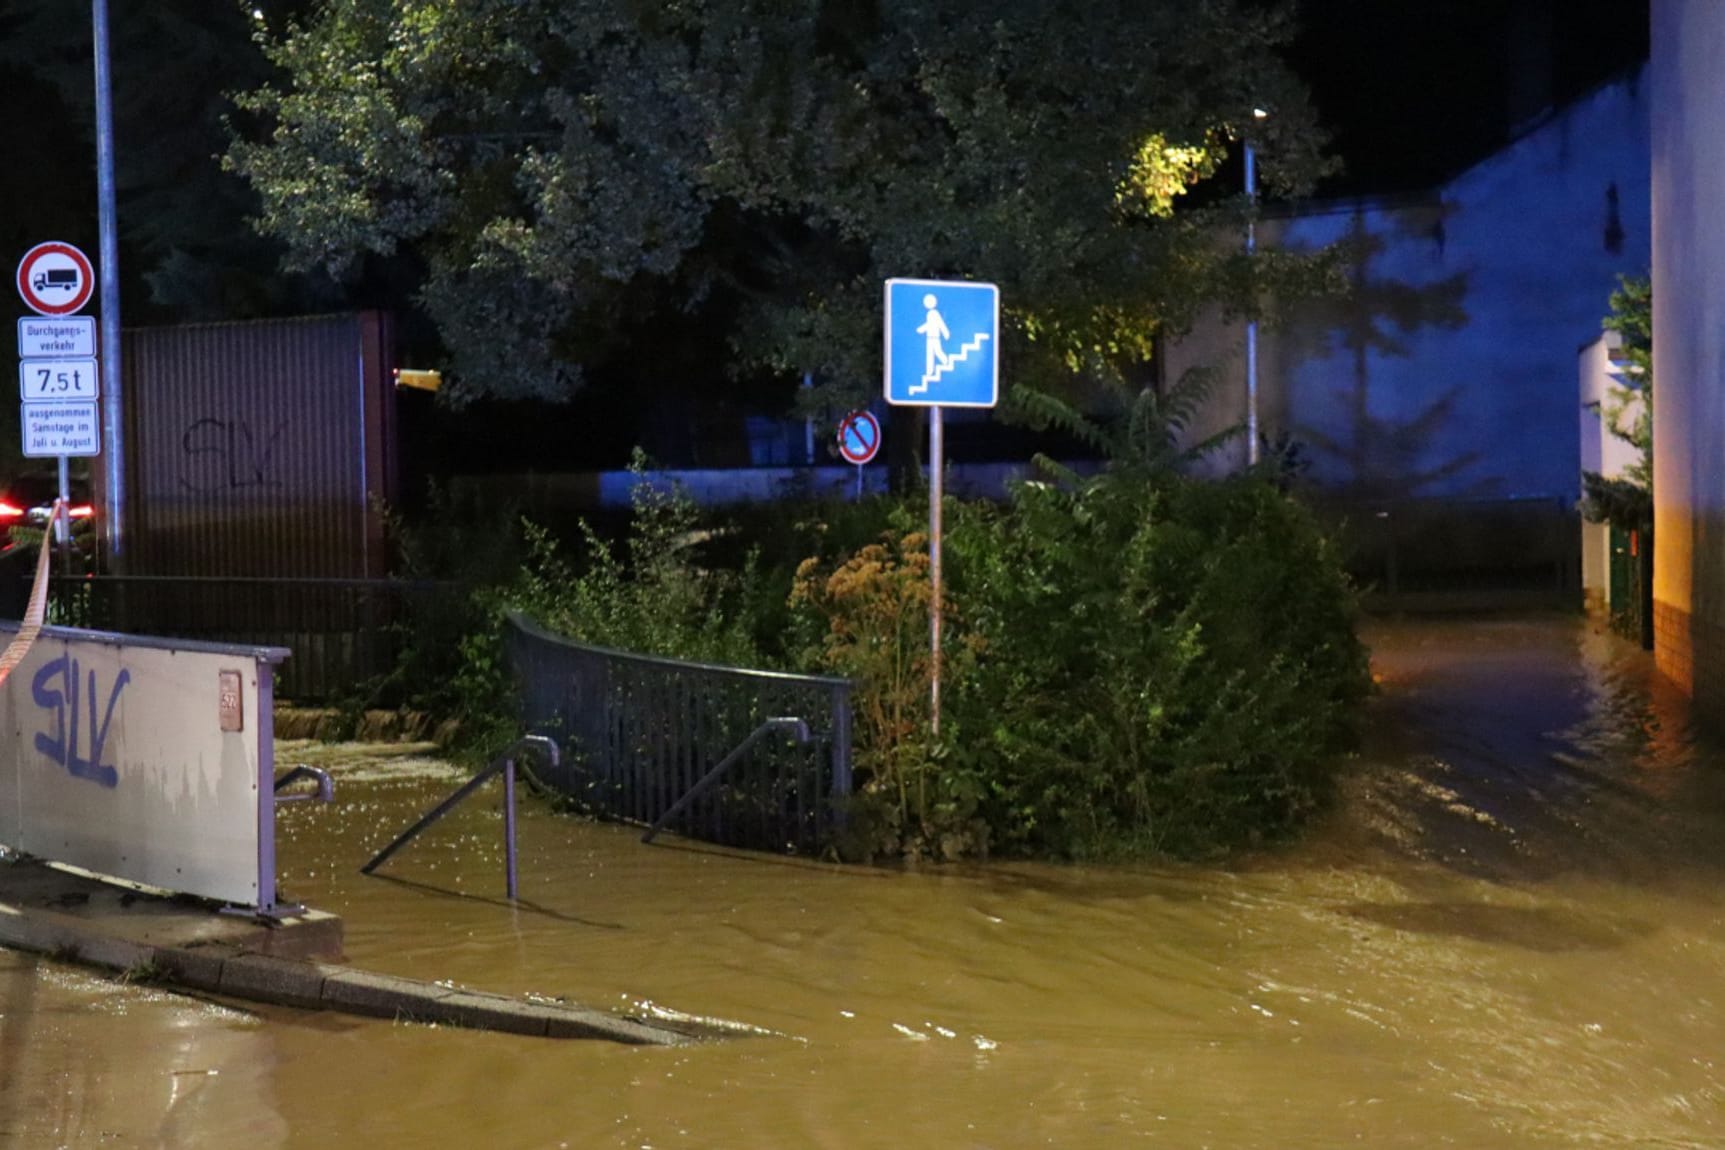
149, 936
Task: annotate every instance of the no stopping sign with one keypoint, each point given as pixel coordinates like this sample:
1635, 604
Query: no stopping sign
859, 437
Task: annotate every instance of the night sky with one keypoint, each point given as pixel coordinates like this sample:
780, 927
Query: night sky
1414, 91
1417, 90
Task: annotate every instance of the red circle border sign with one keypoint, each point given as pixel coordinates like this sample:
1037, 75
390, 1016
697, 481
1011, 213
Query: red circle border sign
868, 437
86, 275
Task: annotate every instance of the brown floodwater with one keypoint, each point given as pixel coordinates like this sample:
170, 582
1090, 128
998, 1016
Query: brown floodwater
1511, 933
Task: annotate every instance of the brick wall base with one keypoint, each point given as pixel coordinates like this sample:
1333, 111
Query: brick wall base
1673, 650
1690, 651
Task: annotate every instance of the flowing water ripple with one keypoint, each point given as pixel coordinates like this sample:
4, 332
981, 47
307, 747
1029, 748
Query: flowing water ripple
1509, 934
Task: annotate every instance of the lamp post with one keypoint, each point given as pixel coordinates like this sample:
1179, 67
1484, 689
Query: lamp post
113, 424
1251, 321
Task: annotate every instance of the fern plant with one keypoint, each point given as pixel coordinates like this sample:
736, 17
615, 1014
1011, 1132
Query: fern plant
1147, 432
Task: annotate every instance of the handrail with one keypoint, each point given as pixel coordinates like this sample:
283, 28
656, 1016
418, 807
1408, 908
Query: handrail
799, 729
325, 785
504, 763
528, 627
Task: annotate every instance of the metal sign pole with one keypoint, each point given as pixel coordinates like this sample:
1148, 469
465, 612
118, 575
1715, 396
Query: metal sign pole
1251, 324
936, 470
859, 439
113, 425
63, 523
941, 349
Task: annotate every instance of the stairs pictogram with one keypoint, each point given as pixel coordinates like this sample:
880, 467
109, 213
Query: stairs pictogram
952, 361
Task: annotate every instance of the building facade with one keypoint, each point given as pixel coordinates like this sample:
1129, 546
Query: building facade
1449, 370
1687, 94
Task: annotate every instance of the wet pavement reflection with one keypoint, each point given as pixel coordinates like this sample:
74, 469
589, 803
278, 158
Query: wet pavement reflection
1510, 933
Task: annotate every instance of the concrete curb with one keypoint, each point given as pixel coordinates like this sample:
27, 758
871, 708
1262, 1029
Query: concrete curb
325, 986
73, 918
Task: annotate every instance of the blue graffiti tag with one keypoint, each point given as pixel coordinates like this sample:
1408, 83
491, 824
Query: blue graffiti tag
63, 747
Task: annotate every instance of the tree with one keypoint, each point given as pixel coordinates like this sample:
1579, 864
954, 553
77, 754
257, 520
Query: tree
185, 228
1626, 501
569, 172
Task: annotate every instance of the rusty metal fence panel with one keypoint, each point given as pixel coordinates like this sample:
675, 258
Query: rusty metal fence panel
343, 633
260, 449
637, 731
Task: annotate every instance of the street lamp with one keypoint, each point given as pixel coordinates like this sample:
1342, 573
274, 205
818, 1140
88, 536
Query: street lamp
107, 222
1251, 321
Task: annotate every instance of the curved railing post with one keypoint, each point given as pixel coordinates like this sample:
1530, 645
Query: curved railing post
504, 765
325, 792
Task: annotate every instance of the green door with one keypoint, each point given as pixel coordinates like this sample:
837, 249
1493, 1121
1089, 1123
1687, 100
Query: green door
1622, 572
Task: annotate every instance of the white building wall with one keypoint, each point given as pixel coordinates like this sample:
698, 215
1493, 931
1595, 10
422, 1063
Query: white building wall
1452, 372
1603, 453
1687, 96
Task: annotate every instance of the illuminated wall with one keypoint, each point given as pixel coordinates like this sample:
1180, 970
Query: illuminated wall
1687, 95
1450, 372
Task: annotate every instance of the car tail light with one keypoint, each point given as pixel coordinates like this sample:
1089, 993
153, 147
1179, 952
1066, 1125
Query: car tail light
7, 511
80, 511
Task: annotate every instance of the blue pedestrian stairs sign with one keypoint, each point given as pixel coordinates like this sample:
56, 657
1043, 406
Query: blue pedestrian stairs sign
942, 343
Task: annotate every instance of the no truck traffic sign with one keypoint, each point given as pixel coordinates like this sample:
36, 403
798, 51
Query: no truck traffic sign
55, 279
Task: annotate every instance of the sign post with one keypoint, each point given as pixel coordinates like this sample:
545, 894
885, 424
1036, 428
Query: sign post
942, 350
859, 439
58, 380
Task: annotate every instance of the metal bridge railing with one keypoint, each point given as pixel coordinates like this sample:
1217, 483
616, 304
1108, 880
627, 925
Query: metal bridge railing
643, 738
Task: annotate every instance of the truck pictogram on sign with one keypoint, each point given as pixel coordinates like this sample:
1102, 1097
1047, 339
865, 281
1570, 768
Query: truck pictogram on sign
59, 279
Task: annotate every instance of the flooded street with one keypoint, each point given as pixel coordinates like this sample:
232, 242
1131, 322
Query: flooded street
1511, 933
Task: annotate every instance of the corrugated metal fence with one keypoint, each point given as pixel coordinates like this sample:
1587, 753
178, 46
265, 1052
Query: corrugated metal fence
260, 449
638, 731
262, 458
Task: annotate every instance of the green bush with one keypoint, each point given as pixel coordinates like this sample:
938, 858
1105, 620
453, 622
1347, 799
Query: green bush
873, 609
1164, 665
778, 539
646, 592
1134, 663
651, 594
451, 552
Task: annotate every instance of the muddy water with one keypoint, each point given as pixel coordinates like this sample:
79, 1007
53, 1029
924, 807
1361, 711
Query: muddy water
1511, 934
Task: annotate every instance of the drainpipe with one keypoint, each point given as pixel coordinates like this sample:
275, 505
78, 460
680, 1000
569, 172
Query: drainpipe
1252, 323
